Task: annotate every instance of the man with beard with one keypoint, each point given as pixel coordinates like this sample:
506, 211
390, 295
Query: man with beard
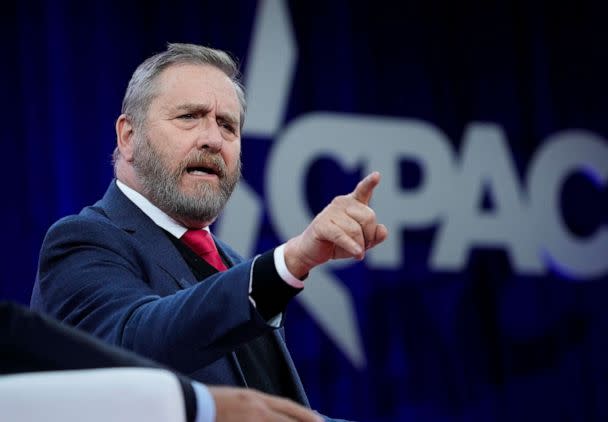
139, 268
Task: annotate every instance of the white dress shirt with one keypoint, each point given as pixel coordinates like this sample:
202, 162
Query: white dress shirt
164, 221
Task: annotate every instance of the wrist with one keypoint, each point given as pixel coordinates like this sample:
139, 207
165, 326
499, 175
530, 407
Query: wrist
294, 261
283, 271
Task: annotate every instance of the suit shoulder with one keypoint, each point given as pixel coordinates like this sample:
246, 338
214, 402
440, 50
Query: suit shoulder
90, 222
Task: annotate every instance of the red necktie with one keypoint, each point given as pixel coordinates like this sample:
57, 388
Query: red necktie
201, 242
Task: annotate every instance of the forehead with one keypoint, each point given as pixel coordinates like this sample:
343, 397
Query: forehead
195, 84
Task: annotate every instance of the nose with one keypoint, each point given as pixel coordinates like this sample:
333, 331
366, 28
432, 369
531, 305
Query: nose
210, 136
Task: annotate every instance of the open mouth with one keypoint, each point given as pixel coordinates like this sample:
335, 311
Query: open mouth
203, 171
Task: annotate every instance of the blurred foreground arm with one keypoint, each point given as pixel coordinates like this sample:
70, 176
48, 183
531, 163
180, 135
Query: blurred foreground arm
50, 371
118, 394
129, 394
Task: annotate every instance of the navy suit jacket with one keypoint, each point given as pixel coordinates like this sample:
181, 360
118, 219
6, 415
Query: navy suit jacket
111, 271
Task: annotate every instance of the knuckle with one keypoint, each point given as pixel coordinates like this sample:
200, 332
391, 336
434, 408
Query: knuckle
365, 216
366, 221
372, 213
339, 200
338, 236
247, 397
354, 230
370, 217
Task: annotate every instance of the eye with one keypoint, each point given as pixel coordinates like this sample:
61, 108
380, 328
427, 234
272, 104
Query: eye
187, 116
227, 125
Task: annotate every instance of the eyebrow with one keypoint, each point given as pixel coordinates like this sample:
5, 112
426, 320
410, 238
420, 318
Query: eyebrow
202, 108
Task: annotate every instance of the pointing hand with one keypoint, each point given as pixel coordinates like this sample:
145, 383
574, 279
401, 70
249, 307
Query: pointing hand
346, 228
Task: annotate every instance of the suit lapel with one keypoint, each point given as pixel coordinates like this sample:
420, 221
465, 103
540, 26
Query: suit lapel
126, 215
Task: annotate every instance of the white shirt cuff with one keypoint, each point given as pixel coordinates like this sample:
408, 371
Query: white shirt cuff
205, 405
279, 263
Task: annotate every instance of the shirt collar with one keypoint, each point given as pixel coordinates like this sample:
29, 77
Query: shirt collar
159, 217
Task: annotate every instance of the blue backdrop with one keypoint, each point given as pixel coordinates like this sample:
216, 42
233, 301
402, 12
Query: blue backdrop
447, 331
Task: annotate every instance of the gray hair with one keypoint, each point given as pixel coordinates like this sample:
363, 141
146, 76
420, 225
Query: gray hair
142, 86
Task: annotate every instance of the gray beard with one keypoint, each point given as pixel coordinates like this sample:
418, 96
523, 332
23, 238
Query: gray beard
161, 185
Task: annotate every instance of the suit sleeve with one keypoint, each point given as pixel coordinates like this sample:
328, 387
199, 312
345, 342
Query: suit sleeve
95, 276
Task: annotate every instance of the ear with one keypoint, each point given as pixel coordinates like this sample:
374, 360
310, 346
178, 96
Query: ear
124, 137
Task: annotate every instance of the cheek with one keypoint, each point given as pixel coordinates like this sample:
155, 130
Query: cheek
231, 155
170, 151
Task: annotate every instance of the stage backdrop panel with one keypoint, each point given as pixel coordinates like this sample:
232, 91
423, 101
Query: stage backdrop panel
487, 122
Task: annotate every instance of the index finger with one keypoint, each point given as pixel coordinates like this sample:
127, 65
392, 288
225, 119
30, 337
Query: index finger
364, 189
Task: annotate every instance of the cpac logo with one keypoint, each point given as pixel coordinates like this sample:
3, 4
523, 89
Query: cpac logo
526, 223
525, 220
